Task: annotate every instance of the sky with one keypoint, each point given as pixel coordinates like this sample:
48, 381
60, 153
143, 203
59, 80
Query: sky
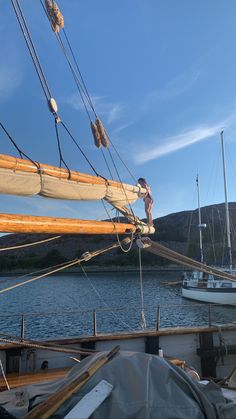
161, 75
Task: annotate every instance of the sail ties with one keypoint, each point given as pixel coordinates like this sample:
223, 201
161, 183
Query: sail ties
99, 134
96, 135
55, 15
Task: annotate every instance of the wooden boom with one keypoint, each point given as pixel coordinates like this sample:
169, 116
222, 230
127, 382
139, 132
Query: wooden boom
13, 223
23, 165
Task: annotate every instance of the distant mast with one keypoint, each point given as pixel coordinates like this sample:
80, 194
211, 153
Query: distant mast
226, 203
199, 221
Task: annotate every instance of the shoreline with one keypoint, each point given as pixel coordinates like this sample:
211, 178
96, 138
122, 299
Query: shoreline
99, 269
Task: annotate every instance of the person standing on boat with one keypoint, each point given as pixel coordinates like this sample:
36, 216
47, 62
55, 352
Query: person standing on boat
148, 200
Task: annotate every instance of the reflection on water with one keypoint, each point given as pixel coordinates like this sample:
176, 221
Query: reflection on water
63, 305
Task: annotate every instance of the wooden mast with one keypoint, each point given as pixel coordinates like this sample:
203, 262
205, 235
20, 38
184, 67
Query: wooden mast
13, 223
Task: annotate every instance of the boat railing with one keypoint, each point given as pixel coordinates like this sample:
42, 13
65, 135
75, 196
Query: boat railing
105, 320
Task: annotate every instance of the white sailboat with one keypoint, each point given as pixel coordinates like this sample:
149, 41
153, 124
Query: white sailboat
203, 286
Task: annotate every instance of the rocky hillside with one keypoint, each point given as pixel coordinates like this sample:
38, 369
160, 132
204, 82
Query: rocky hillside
178, 231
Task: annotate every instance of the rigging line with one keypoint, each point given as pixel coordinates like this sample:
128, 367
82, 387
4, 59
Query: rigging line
88, 98
77, 81
117, 234
102, 299
101, 217
4, 376
77, 66
20, 246
108, 168
59, 147
16, 146
80, 149
210, 224
43, 270
31, 48
143, 320
122, 161
46, 344
80, 88
48, 348
160, 250
38, 277
86, 256
122, 185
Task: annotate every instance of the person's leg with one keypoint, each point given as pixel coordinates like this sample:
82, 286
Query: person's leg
148, 210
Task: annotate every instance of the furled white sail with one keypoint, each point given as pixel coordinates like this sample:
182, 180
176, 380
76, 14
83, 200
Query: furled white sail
53, 182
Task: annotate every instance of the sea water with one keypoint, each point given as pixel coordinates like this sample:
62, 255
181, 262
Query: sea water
68, 305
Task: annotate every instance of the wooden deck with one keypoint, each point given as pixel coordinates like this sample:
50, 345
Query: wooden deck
17, 380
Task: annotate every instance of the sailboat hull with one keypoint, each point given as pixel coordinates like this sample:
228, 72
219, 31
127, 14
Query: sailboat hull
210, 295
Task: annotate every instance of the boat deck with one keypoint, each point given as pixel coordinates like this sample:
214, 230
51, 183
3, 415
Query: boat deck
17, 380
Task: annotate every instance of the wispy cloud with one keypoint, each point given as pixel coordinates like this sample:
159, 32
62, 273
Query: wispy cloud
10, 79
172, 89
123, 127
177, 142
110, 110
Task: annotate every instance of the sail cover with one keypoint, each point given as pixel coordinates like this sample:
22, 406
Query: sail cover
144, 386
24, 178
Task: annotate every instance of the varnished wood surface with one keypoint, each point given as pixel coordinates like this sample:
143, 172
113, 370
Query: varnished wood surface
15, 223
22, 165
17, 380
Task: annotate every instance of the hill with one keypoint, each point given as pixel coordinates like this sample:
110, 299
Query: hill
178, 231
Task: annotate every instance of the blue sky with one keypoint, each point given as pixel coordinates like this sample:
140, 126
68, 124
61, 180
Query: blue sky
161, 74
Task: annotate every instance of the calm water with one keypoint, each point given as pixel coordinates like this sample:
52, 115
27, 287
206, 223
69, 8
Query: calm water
63, 305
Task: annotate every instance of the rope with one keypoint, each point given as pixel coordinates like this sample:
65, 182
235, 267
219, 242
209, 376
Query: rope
85, 257
3, 374
164, 252
20, 246
81, 84
49, 348
83, 92
77, 66
45, 86
59, 147
108, 168
122, 161
41, 75
46, 344
117, 234
31, 48
80, 149
142, 320
21, 153
104, 302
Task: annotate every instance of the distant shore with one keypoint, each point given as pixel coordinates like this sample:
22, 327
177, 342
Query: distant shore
100, 269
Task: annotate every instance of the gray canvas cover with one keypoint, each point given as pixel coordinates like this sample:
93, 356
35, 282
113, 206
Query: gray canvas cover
145, 386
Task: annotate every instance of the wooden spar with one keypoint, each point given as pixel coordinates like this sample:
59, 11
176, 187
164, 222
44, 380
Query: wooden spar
45, 409
14, 223
22, 165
